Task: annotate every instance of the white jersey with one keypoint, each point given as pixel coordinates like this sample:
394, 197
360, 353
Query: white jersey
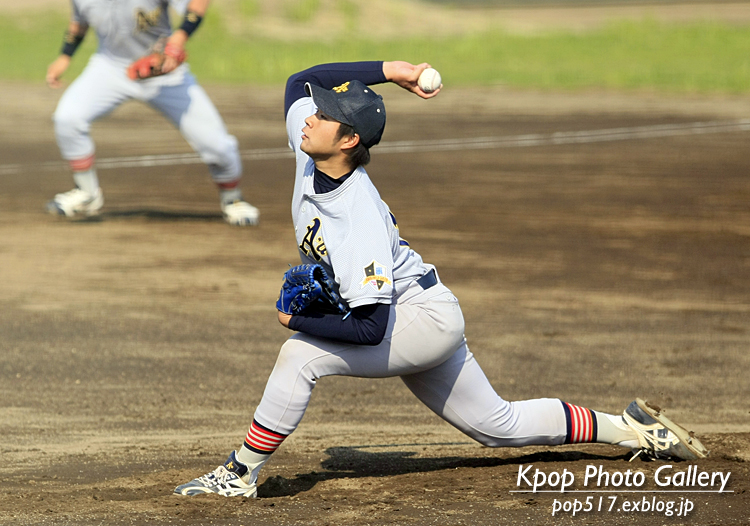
349, 231
127, 29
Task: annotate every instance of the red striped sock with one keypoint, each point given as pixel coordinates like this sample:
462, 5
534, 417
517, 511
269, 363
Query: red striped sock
81, 165
230, 185
262, 440
581, 424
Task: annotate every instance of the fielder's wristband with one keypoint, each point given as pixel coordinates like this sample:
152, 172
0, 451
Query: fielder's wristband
191, 22
71, 43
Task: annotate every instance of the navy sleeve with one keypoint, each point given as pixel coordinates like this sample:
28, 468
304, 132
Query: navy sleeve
329, 76
365, 325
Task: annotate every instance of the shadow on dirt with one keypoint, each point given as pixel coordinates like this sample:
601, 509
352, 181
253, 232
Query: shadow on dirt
150, 214
161, 215
349, 462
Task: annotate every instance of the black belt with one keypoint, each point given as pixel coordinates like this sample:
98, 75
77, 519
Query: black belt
428, 280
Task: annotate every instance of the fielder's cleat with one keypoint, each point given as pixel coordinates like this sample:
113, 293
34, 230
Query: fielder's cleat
658, 436
226, 480
240, 213
76, 201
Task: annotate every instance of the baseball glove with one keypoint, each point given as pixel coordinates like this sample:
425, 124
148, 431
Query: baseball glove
150, 65
308, 287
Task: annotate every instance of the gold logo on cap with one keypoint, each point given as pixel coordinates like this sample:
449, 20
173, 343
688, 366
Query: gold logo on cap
343, 88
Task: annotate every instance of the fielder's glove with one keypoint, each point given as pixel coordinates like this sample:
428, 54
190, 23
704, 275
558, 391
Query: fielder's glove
150, 65
308, 287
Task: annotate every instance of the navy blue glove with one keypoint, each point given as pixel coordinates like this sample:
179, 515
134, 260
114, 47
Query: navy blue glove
305, 286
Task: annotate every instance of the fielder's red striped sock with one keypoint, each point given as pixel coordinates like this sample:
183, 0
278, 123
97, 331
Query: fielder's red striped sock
229, 185
81, 165
581, 424
262, 440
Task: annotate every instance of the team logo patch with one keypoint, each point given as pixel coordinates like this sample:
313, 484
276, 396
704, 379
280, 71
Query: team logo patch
376, 275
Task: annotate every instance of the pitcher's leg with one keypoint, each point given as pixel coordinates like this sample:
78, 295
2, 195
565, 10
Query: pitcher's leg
417, 339
287, 394
459, 392
419, 336
302, 361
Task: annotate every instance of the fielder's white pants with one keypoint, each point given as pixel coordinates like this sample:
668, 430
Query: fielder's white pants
104, 85
425, 346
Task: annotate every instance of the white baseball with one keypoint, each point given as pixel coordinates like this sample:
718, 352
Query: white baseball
429, 80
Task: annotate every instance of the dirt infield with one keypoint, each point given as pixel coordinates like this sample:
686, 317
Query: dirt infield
135, 347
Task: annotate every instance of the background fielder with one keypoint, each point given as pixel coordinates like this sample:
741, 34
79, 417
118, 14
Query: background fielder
128, 30
402, 321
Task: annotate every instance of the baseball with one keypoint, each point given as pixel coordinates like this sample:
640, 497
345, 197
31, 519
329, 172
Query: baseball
429, 80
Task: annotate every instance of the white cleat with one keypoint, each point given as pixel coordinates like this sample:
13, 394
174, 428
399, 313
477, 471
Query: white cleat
226, 480
240, 213
76, 201
658, 436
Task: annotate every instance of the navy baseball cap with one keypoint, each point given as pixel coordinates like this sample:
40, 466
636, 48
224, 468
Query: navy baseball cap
355, 104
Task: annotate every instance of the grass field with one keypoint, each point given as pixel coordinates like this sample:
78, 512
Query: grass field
645, 54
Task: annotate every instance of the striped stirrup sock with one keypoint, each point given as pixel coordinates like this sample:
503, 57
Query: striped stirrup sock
581, 424
262, 440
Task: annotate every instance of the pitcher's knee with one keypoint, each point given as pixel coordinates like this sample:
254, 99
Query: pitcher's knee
491, 435
488, 441
293, 357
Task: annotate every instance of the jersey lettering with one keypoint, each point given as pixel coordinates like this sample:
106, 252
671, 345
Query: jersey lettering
146, 20
313, 244
401, 241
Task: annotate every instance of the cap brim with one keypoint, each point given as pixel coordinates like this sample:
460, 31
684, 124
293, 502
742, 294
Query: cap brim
325, 100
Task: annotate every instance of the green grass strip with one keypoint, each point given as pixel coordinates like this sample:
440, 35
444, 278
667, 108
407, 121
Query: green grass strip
644, 55
31, 43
